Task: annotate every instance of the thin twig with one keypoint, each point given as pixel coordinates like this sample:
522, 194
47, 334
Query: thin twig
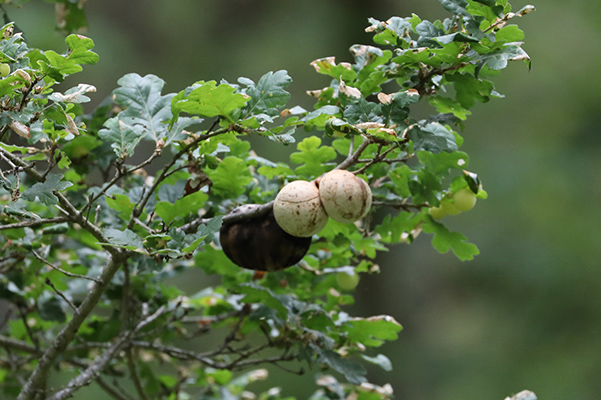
35, 222
193, 225
144, 226
67, 334
32, 337
110, 391
120, 174
17, 345
379, 157
352, 159
12, 361
175, 352
131, 365
139, 207
72, 275
399, 204
100, 363
49, 283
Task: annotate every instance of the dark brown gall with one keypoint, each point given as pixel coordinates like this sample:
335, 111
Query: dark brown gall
260, 244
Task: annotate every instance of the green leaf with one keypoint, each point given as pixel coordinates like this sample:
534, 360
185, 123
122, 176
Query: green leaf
13, 48
427, 30
509, 33
439, 164
490, 3
157, 241
456, 37
43, 190
209, 100
363, 111
183, 207
122, 204
268, 95
399, 228
372, 331
205, 231
56, 229
469, 88
60, 66
433, 137
313, 156
230, 178
258, 294
51, 310
352, 371
328, 66
126, 239
455, 6
74, 95
396, 111
80, 146
182, 243
380, 360
13, 148
123, 134
281, 169
499, 59
319, 116
446, 105
400, 176
484, 8
144, 104
445, 240
390, 31
74, 17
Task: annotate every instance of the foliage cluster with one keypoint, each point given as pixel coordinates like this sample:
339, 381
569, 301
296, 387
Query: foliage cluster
100, 208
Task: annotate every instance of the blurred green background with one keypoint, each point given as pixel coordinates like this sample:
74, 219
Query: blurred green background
526, 313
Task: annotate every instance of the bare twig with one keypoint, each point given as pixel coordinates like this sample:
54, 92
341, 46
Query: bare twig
352, 158
7, 314
175, 352
110, 391
379, 157
131, 365
144, 226
35, 222
100, 363
204, 319
399, 205
118, 175
32, 337
12, 361
67, 334
67, 273
49, 283
17, 345
65, 205
193, 225
139, 207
